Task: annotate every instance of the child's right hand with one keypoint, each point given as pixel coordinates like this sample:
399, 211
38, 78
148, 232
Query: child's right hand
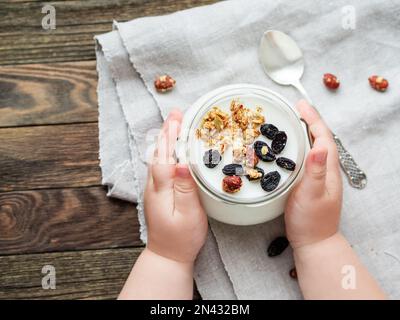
313, 210
176, 222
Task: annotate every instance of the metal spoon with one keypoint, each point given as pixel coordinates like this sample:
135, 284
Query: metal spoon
283, 62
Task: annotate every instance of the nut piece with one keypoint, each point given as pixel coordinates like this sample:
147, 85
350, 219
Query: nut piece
231, 184
240, 114
164, 83
253, 174
212, 127
331, 81
264, 150
378, 83
249, 135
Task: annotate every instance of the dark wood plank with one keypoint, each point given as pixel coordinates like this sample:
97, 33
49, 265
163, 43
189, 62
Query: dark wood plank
23, 39
48, 93
42, 157
93, 274
65, 219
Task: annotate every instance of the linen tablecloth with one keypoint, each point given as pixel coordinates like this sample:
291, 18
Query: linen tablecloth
207, 47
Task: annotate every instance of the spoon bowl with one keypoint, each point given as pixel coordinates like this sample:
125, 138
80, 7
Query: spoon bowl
283, 62
281, 58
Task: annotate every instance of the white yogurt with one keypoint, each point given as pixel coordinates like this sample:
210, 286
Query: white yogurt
250, 190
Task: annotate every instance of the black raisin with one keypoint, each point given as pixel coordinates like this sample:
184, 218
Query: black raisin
233, 170
263, 151
279, 142
270, 181
211, 158
286, 163
277, 246
251, 178
269, 130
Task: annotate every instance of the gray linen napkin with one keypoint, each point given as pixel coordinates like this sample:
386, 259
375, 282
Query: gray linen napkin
210, 46
130, 125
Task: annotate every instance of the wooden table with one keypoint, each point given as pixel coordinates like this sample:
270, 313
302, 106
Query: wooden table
53, 209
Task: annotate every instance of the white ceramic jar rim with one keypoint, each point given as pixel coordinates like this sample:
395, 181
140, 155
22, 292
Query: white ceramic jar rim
206, 102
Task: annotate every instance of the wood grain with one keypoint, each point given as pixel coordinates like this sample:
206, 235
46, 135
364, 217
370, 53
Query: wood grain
50, 198
48, 93
42, 157
92, 274
65, 219
23, 40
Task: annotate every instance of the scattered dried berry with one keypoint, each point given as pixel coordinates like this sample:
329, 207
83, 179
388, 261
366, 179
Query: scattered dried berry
251, 157
269, 130
254, 173
212, 158
279, 142
331, 81
293, 273
164, 83
231, 184
270, 181
233, 169
277, 246
286, 163
378, 83
263, 151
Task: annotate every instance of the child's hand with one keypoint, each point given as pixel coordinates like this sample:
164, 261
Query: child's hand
313, 210
177, 224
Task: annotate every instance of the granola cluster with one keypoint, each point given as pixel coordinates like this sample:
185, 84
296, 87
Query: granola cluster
237, 129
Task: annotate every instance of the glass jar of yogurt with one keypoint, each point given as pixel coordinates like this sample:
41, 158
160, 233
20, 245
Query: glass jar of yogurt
251, 204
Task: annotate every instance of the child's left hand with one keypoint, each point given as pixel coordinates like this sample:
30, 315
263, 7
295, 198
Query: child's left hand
176, 222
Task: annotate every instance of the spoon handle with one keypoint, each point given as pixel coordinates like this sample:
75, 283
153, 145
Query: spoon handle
357, 177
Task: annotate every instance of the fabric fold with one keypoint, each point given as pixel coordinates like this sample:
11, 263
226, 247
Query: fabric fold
130, 110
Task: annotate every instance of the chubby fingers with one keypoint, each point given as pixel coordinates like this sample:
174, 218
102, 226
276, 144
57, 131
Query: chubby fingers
321, 132
163, 164
185, 190
314, 179
324, 148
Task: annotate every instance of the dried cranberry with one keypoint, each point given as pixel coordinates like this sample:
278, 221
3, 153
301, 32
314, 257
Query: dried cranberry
231, 184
